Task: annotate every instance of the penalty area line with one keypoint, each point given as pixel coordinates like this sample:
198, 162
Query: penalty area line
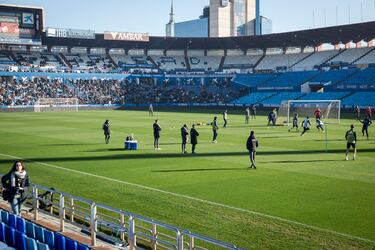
196, 199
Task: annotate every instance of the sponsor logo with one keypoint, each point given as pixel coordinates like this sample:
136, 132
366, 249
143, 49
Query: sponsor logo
127, 36
70, 33
27, 18
14, 29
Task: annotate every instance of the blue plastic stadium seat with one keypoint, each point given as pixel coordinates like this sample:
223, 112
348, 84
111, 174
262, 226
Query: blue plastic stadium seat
49, 238
39, 233
30, 229
9, 236
2, 232
31, 244
20, 240
12, 221
4, 216
82, 247
59, 241
21, 225
71, 244
42, 246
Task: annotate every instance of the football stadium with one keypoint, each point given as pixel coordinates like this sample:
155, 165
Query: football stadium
233, 138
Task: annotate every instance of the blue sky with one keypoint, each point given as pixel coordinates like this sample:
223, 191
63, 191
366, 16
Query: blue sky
151, 15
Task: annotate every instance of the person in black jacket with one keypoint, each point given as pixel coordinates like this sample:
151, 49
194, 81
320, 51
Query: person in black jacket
107, 131
251, 145
15, 183
156, 127
193, 138
184, 137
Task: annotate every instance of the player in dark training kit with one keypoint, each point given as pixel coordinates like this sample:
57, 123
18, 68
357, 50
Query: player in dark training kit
184, 138
251, 146
366, 123
156, 127
295, 123
107, 131
193, 138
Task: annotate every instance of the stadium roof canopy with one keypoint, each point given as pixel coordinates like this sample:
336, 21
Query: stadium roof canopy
313, 37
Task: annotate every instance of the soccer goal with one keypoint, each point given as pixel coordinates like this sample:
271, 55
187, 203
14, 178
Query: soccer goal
330, 109
56, 104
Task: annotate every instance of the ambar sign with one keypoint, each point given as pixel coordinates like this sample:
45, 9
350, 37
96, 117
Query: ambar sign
127, 36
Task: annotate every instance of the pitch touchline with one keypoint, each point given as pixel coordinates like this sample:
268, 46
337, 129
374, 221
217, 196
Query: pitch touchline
197, 199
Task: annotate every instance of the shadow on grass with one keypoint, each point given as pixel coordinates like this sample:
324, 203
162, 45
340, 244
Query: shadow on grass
69, 144
161, 155
200, 170
301, 161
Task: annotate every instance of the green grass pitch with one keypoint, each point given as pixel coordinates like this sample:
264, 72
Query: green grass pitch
299, 197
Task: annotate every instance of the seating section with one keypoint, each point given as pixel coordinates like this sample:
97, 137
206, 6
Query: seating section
350, 55
253, 80
241, 62
315, 59
254, 98
325, 96
362, 99
169, 63
18, 233
366, 76
5, 59
34, 59
334, 76
206, 63
369, 58
283, 96
289, 80
285, 61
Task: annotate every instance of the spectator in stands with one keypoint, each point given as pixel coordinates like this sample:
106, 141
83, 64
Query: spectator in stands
16, 183
247, 115
351, 139
193, 138
225, 118
184, 137
253, 111
157, 129
251, 145
107, 131
215, 128
305, 125
366, 124
369, 112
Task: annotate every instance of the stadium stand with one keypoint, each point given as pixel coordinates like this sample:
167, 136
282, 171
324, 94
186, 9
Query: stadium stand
362, 99
282, 61
252, 80
288, 80
325, 96
18, 233
314, 60
254, 98
350, 55
276, 100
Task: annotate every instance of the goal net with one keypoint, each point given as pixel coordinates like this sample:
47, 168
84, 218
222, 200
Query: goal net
56, 104
330, 110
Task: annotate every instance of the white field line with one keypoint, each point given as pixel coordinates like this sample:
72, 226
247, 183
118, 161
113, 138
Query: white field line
352, 237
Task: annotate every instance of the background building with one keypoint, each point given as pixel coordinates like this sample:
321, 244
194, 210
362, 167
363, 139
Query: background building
231, 17
170, 26
193, 28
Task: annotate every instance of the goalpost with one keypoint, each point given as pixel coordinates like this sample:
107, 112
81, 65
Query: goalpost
331, 110
56, 104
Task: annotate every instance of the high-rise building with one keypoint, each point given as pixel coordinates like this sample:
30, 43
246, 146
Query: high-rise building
231, 17
169, 27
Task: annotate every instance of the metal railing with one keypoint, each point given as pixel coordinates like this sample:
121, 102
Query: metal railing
126, 229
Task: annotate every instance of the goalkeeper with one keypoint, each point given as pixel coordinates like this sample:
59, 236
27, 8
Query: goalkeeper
107, 131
